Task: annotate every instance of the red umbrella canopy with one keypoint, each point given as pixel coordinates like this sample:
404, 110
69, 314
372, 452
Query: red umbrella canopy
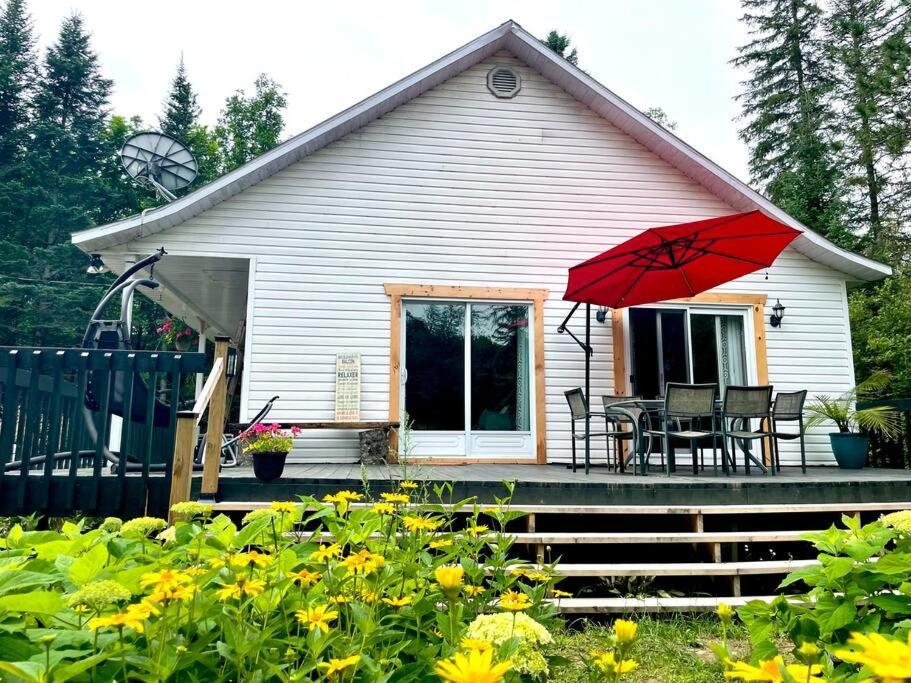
679, 260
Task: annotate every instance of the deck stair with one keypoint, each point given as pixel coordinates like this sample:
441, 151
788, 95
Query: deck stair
667, 558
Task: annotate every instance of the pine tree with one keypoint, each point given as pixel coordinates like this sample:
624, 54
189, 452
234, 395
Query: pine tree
869, 49
560, 43
17, 70
67, 190
181, 111
250, 126
787, 114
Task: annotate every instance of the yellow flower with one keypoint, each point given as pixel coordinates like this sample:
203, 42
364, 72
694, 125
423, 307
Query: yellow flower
165, 580
771, 670
888, 658
195, 571
608, 663
237, 590
317, 617
326, 552
181, 592
624, 631
82, 609
474, 667
442, 543
363, 562
133, 617
561, 594
515, 602
475, 644
383, 508
304, 577
250, 558
478, 529
398, 602
449, 578
284, 507
418, 523
338, 599
408, 485
542, 577
333, 666
342, 497
808, 651
395, 498
725, 612
473, 591
370, 597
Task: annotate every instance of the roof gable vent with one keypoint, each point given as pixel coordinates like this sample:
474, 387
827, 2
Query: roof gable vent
503, 81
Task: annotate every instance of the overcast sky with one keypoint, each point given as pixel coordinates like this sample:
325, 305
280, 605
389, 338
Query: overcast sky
329, 55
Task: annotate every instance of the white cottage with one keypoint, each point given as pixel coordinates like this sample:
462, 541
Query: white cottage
430, 227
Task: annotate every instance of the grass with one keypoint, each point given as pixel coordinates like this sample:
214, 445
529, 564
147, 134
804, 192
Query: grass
669, 650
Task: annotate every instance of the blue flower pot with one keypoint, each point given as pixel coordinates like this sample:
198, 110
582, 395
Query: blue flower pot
850, 450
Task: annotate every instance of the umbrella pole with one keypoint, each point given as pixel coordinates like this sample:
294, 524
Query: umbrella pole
588, 373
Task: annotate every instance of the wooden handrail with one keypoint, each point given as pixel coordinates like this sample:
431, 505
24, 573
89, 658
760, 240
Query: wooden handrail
213, 398
208, 389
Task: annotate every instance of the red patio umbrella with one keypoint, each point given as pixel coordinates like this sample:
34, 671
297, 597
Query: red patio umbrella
672, 262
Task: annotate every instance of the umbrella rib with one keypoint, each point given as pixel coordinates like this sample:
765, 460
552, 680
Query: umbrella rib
630, 288
649, 259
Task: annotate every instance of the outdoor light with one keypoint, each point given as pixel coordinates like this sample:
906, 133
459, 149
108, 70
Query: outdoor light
96, 265
231, 366
777, 314
601, 314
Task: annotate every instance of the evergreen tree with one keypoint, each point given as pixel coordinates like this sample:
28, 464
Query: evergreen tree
869, 49
788, 118
17, 71
250, 126
181, 111
45, 296
659, 116
559, 43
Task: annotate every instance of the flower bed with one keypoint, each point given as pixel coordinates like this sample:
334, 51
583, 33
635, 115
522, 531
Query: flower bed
397, 590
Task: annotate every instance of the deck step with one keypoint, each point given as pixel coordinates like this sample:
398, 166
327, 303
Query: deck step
795, 508
683, 568
620, 538
641, 605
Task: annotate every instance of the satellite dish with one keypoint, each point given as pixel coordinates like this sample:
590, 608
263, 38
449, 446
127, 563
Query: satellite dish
160, 161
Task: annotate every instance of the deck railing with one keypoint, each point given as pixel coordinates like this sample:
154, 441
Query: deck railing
893, 452
60, 414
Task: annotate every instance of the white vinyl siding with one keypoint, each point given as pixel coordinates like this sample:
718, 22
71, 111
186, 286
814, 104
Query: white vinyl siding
458, 187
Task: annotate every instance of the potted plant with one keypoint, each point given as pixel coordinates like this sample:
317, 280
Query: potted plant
269, 446
848, 445
175, 332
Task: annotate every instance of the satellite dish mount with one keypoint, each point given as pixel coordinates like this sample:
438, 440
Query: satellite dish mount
160, 161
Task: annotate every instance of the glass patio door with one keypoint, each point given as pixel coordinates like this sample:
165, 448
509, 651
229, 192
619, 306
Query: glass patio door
702, 345
466, 379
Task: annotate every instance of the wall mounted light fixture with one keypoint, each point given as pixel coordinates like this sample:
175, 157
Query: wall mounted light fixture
777, 314
96, 265
601, 314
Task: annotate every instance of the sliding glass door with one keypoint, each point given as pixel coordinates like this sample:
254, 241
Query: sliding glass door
466, 380
703, 345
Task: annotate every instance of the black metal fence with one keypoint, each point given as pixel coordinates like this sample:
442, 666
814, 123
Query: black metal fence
895, 452
59, 450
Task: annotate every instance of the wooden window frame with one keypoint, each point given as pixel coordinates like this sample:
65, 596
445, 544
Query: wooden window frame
397, 292
756, 302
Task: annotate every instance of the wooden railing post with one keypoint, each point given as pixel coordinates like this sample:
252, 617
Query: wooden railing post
216, 423
182, 465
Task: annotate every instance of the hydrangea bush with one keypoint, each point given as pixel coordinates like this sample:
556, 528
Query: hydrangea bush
343, 588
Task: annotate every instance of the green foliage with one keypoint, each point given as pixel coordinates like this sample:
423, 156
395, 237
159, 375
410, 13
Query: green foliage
559, 43
843, 411
659, 116
17, 71
181, 110
862, 583
249, 126
388, 600
787, 113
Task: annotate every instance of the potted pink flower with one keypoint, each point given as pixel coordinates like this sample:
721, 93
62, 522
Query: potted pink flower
269, 445
175, 332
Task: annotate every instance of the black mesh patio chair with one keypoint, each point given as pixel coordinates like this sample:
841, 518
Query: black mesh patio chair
741, 406
578, 408
788, 407
626, 421
688, 408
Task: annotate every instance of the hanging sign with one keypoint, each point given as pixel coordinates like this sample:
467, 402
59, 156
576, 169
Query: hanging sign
347, 387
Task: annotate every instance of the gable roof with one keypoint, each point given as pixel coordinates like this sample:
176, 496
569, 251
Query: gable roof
513, 38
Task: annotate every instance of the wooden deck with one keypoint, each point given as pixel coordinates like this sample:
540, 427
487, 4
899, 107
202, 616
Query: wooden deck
550, 484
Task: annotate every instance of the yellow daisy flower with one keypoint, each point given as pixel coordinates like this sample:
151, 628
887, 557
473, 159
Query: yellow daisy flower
449, 578
889, 659
383, 508
625, 631
317, 617
326, 552
771, 670
514, 601
473, 591
395, 498
408, 485
398, 602
250, 558
284, 507
363, 562
333, 666
474, 667
475, 644
441, 543
304, 577
608, 663
238, 590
